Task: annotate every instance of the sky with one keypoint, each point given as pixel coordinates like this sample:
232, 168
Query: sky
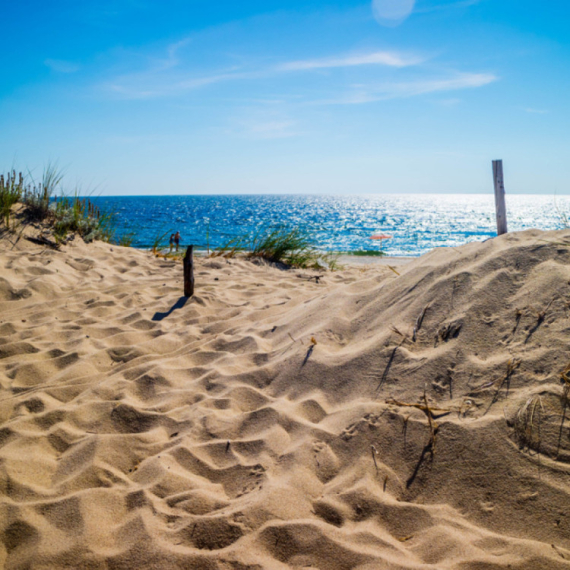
299, 96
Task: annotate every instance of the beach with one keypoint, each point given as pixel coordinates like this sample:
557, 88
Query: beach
400, 414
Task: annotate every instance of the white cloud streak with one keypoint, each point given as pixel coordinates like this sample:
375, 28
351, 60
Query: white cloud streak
376, 58
535, 111
414, 88
137, 88
153, 83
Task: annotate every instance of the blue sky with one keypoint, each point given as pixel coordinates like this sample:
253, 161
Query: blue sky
268, 96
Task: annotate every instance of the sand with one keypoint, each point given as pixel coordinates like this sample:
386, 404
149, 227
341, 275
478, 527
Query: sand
141, 431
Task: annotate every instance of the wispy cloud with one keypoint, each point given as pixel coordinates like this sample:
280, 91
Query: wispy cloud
370, 94
144, 87
390, 59
165, 75
535, 111
62, 66
171, 75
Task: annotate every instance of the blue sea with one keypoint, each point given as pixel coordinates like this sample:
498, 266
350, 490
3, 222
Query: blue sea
417, 223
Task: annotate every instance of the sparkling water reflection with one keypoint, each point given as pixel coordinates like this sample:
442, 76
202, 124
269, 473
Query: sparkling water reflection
417, 223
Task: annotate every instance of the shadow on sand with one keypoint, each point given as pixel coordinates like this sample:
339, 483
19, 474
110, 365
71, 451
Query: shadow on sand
178, 305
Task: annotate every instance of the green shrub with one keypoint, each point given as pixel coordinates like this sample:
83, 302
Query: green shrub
126, 240
80, 215
293, 247
367, 252
11, 190
37, 199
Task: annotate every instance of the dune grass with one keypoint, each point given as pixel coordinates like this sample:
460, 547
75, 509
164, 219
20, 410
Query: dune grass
74, 214
11, 191
37, 197
291, 247
366, 253
61, 215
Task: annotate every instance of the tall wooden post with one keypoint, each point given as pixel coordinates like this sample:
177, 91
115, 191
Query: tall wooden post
500, 206
189, 272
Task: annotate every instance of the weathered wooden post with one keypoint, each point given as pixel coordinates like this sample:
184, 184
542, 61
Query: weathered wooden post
500, 206
189, 272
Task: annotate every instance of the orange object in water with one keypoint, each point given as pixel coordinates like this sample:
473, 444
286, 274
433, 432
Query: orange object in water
381, 236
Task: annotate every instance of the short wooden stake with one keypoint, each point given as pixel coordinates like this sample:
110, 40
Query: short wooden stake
500, 206
189, 272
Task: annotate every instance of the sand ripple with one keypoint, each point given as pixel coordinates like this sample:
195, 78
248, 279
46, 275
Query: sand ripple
141, 430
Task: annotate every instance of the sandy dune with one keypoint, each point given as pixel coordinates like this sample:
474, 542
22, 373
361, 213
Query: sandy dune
139, 431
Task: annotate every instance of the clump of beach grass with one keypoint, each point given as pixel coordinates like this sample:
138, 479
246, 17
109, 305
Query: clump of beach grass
366, 253
60, 215
291, 247
37, 198
158, 244
73, 214
11, 190
126, 240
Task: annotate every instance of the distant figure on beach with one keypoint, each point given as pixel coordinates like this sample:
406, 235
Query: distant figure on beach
177, 239
171, 242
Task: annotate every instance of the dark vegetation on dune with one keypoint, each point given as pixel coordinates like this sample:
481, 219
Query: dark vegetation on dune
45, 206
60, 216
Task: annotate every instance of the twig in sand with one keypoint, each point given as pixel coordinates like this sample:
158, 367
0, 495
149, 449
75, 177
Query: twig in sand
518, 316
419, 322
404, 336
308, 355
433, 427
387, 369
435, 412
317, 278
565, 377
390, 267
557, 550
374, 452
512, 365
291, 337
539, 320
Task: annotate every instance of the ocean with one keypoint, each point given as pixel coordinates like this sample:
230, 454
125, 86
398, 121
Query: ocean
417, 223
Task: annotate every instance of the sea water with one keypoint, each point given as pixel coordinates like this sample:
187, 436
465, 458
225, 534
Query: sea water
416, 222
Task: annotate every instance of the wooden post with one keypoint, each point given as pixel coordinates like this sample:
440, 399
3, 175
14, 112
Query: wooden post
189, 272
500, 206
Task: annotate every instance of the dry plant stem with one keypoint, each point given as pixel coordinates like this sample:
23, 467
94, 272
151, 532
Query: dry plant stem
433, 426
558, 551
565, 377
512, 365
404, 336
539, 320
387, 369
525, 419
517, 321
435, 412
374, 452
419, 322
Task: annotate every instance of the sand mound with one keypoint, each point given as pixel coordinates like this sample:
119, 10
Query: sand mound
428, 427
